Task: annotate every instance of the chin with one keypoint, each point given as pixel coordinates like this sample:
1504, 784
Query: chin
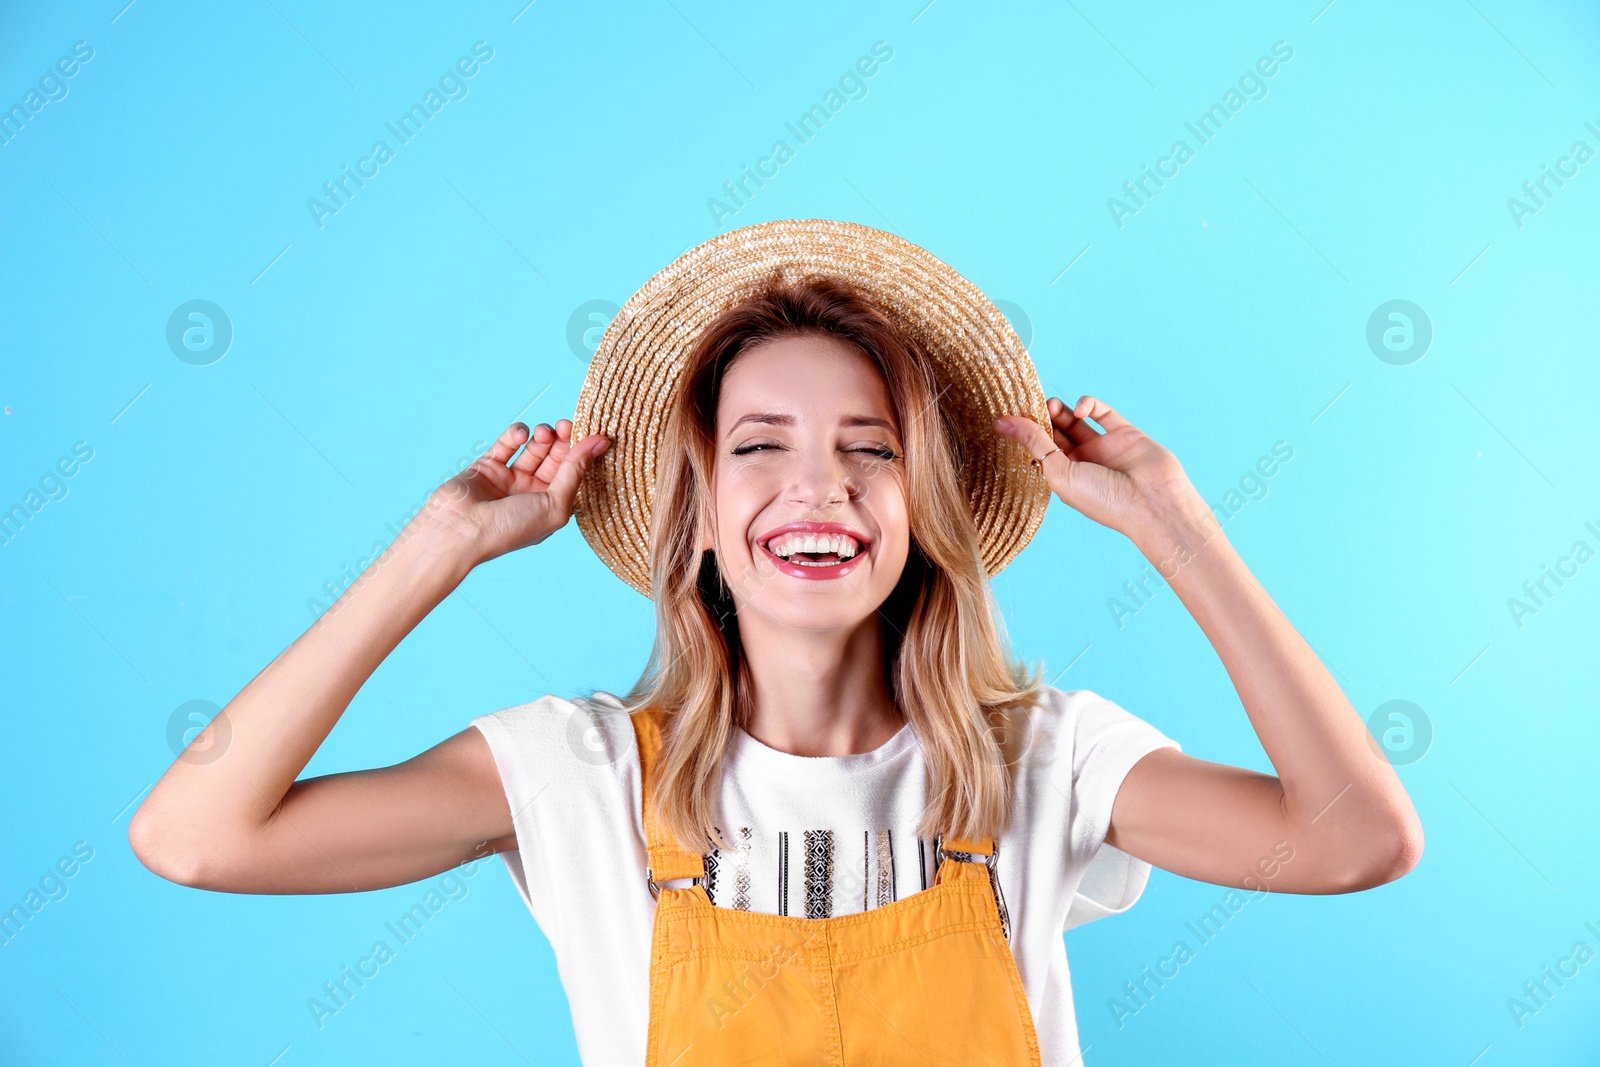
818, 613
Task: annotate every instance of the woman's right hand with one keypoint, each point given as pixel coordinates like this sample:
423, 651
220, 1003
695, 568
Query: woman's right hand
498, 508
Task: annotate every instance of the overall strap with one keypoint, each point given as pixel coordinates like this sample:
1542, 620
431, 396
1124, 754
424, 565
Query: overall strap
978, 850
666, 860
978, 846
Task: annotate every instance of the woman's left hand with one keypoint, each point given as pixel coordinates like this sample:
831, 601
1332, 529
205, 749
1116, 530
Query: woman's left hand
1121, 478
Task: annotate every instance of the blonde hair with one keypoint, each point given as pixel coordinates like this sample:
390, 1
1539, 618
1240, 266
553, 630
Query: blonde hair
940, 624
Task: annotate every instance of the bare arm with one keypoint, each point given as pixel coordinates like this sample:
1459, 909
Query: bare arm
1335, 818
240, 821
1335, 815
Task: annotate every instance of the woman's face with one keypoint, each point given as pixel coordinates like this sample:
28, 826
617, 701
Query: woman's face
806, 433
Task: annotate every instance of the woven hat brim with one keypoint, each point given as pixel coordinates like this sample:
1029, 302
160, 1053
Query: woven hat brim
983, 371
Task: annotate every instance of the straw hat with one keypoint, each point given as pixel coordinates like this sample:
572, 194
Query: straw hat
983, 372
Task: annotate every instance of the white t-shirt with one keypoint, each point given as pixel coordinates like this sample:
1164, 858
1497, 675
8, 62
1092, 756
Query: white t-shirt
571, 774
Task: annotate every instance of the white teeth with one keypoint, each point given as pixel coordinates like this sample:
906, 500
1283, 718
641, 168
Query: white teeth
787, 545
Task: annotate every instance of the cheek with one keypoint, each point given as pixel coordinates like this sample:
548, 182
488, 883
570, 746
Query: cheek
888, 499
737, 505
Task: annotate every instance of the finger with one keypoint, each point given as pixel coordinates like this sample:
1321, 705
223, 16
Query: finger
559, 448
577, 459
538, 447
1072, 480
1040, 443
1071, 428
507, 443
1088, 407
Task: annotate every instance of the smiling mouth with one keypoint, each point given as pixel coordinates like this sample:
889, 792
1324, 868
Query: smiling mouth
828, 564
805, 548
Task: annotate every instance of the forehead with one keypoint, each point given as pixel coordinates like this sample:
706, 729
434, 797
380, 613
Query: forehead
809, 378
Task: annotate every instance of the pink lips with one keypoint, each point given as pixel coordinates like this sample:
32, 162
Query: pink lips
796, 570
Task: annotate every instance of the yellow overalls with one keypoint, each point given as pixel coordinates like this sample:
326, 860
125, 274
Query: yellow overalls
927, 979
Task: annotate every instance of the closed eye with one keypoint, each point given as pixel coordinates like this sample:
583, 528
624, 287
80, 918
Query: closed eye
881, 453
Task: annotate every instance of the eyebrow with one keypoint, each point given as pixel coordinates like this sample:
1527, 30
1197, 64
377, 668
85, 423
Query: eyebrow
778, 418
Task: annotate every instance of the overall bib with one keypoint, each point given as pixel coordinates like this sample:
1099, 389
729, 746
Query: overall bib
929, 978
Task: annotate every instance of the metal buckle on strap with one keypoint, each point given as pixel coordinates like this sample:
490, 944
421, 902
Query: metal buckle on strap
655, 890
941, 853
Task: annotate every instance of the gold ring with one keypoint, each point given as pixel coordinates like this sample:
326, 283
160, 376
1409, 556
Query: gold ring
1038, 463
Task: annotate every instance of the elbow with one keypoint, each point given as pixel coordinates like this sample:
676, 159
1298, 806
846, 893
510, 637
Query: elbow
157, 848
1390, 854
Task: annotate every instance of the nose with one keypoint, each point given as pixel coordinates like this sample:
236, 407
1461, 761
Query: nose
823, 479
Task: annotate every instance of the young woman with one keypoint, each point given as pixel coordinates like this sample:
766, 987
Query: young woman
834, 821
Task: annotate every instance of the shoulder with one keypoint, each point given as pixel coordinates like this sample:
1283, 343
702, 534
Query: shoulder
1079, 732
591, 729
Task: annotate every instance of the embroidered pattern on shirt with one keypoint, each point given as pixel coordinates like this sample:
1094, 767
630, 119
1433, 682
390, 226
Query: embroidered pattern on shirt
711, 871
868, 879
783, 872
741, 871
819, 873
885, 851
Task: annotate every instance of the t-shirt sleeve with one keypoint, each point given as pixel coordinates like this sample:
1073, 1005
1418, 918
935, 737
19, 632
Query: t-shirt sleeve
519, 739
1105, 741
569, 772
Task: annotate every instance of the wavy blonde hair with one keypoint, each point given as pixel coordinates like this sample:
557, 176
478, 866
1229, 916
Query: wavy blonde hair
940, 624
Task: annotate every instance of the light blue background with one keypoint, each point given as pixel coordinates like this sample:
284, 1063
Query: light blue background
370, 355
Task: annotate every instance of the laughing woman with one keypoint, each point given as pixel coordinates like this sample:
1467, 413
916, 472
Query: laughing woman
834, 821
